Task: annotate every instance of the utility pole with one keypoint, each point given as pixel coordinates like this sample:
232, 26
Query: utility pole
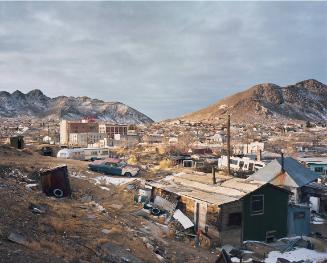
228, 144
48, 132
213, 175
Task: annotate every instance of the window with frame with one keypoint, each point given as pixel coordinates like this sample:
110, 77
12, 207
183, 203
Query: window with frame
257, 204
318, 169
235, 219
299, 215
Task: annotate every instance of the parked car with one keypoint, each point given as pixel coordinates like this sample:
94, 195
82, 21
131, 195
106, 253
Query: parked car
46, 151
113, 167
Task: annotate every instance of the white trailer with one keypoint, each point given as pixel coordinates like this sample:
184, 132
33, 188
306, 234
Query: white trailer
85, 154
240, 164
96, 153
76, 154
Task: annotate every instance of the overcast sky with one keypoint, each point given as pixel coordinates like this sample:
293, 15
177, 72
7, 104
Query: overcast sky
164, 59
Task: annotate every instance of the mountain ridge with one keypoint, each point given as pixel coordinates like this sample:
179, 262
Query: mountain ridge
36, 104
305, 101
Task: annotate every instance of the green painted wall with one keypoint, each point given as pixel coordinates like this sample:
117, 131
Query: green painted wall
273, 218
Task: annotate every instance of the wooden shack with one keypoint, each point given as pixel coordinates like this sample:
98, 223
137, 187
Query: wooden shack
17, 141
232, 210
55, 182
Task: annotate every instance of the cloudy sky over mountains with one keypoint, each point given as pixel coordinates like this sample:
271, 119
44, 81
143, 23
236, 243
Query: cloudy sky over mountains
165, 59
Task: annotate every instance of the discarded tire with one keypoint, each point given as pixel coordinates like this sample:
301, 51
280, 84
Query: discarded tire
58, 193
155, 211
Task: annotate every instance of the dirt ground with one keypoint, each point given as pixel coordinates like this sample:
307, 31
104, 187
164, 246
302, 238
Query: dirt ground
94, 225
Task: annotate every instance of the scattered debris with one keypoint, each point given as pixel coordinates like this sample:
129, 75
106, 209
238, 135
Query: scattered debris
17, 238
38, 209
301, 254
105, 231
116, 206
100, 180
115, 253
317, 219
183, 219
223, 257
104, 188
31, 187
91, 216
86, 198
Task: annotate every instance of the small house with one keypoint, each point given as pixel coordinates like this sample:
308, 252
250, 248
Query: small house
229, 210
289, 174
316, 164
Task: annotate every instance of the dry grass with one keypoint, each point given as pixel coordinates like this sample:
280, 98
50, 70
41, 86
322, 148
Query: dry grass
102, 241
51, 246
60, 225
132, 160
57, 224
34, 245
165, 164
57, 249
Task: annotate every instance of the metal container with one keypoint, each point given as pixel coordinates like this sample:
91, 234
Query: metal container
55, 182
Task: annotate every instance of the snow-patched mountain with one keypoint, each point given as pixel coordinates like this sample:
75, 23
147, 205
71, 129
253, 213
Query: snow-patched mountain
306, 101
36, 104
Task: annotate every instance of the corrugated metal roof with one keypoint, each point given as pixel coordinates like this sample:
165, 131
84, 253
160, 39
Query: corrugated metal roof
297, 174
190, 185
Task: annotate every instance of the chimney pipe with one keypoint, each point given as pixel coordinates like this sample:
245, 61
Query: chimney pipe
213, 175
259, 155
282, 162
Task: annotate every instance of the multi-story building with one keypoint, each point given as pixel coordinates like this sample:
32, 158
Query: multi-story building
68, 127
85, 139
111, 129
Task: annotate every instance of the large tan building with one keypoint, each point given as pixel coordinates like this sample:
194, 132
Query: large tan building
111, 129
68, 127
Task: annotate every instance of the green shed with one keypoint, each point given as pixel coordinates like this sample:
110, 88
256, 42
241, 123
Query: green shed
265, 213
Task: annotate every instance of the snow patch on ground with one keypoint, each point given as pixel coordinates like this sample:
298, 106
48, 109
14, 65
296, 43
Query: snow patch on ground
170, 177
112, 180
317, 220
104, 188
296, 255
77, 175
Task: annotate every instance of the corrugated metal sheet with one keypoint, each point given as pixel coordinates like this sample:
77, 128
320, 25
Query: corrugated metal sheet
200, 187
164, 204
183, 219
297, 173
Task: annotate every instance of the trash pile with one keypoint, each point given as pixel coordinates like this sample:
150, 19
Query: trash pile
164, 211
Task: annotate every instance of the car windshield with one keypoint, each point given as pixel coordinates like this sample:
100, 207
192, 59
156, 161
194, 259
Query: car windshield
121, 164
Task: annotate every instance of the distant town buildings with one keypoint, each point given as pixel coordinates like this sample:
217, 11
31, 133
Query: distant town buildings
111, 129
89, 133
85, 139
68, 127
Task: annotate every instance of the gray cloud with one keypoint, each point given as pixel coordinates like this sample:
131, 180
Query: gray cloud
163, 58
